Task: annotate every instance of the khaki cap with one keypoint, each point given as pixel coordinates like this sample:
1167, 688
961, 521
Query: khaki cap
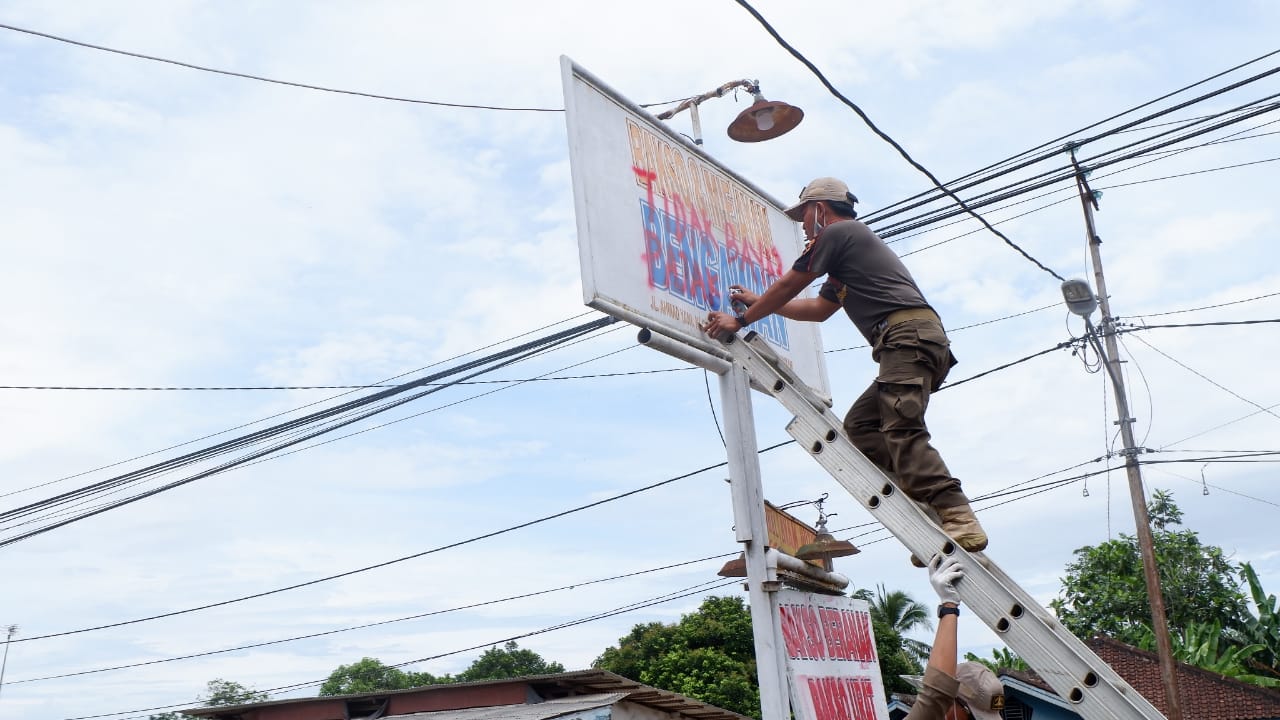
824, 188
981, 690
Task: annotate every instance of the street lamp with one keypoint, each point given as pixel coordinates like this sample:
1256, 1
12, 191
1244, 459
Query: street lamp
764, 120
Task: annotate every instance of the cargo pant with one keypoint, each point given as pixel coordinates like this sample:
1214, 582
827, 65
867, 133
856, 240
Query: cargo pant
887, 422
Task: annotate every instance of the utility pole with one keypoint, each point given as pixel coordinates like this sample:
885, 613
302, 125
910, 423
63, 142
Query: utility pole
12, 630
1146, 544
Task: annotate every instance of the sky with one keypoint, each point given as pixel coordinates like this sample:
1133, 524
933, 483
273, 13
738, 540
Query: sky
166, 227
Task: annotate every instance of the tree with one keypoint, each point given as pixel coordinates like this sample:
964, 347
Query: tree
709, 656
900, 611
220, 692
1002, 658
371, 675
1103, 591
509, 662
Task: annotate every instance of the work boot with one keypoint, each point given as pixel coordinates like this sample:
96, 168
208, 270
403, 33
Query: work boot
962, 526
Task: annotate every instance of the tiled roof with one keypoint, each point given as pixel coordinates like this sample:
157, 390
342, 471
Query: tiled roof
1205, 695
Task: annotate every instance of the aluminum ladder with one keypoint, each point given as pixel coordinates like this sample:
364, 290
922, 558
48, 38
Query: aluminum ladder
1080, 677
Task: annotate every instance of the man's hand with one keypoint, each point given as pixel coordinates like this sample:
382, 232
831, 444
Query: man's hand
719, 323
944, 573
737, 292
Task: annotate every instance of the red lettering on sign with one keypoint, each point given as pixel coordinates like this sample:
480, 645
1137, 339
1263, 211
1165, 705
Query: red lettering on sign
837, 698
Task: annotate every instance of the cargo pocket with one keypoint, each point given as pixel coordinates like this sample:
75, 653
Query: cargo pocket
902, 403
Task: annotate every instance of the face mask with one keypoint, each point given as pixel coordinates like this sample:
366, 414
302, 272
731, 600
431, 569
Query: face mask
817, 224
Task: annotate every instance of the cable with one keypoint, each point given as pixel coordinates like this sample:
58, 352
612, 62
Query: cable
333, 387
1219, 427
503, 358
1203, 324
394, 561
630, 607
1076, 133
1151, 410
418, 616
967, 327
270, 80
901, 151
1204, 377
1060, 174
302, 407
1060, 346
1203, 307
1099, 136
1217, 487
706, 378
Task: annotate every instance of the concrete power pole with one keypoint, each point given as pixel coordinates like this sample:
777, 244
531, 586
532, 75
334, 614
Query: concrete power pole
3, 663
1111, 359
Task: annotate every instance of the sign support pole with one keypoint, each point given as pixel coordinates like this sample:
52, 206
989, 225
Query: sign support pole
749, 524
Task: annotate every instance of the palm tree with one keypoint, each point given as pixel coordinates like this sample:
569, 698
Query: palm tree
901, 612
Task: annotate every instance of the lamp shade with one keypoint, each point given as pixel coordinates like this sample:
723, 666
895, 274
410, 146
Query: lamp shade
765, 120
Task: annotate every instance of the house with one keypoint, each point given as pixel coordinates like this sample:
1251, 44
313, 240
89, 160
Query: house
581, 695
1204, 695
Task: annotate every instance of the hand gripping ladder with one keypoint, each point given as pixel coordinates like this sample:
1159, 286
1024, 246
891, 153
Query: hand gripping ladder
1079, 676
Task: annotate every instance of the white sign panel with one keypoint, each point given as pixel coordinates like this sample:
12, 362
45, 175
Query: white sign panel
664, 230
831, 657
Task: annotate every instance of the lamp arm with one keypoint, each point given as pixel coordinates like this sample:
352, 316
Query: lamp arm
752, 86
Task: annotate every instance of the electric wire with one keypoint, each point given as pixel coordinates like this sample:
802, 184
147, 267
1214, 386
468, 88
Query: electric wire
259, 78
1076, 133
892, 237
881, 215
1166, 471
433, 550
901, 151
332, 387
1203, 307
417, 616
1065, 171
630, 607
304, 434
290, 83
1057, 175
385, 563
302, 407
503, 358
1204, 377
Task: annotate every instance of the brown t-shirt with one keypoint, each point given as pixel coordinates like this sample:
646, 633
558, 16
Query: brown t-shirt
863, 275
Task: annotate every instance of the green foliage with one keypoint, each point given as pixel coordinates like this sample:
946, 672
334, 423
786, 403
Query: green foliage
1206, 645
1261, 627
1104, 592
1002, 658
371, 675
709, 655
895, 661
220, 692
508, 662
900, 612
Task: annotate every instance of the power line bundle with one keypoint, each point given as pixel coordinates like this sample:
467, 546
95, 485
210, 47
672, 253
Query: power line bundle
65, 508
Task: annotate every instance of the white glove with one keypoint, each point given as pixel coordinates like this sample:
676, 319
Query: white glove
944, 573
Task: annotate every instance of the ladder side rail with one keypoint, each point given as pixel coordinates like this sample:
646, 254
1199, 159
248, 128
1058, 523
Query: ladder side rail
1059, 657
1066, 663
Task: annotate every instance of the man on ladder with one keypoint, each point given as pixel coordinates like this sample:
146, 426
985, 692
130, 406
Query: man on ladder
908, 342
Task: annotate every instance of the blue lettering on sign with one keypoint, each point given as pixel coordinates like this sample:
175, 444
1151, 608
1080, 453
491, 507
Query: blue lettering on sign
686, 261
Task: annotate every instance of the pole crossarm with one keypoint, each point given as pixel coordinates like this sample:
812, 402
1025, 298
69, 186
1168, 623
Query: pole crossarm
1079, 676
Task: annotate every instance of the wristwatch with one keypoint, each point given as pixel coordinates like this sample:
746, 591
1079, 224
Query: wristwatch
741, 317
948, 610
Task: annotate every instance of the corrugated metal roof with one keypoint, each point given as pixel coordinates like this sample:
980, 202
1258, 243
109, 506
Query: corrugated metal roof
540, 711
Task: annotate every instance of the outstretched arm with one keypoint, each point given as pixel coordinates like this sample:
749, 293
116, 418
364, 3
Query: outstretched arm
779, 298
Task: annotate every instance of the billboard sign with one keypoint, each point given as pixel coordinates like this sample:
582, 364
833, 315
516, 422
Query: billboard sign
664, 229
832, 666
